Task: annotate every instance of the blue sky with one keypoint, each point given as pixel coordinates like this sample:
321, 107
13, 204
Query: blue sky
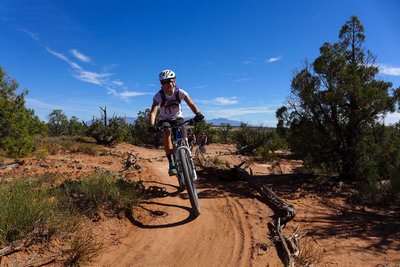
234, 58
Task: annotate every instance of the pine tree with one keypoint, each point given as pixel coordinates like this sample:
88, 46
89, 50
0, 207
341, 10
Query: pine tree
17, 123
335, 104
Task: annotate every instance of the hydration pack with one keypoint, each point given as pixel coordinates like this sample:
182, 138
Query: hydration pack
171, 102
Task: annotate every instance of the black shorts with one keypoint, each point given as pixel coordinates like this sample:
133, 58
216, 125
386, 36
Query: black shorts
174, 123
171, 123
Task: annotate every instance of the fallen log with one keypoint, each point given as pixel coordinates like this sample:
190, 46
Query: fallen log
9, 250
282, 209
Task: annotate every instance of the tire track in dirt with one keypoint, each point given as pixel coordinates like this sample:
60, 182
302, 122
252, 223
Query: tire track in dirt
164, 233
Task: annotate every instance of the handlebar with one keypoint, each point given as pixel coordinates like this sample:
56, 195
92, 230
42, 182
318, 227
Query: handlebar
188, 122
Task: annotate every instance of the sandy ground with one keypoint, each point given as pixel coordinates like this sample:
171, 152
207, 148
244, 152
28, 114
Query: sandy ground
232, 228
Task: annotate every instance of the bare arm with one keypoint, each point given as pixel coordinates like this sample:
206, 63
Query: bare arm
153, 112
191, 105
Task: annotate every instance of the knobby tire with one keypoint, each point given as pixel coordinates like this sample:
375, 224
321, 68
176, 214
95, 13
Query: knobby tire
187, 175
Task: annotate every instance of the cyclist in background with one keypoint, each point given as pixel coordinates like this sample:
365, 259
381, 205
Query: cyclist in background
203, 142
169, 99
191, 139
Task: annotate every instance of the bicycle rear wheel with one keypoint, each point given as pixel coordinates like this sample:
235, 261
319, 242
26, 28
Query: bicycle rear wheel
187, 170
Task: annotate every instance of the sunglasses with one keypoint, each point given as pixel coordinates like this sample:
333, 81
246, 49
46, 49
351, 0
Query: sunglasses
166, 82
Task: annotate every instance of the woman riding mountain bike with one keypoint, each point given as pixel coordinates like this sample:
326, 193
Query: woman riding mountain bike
171, 120
169, 100
186, 171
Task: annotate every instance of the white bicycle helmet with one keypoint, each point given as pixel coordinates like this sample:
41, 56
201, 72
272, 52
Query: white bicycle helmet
166, 74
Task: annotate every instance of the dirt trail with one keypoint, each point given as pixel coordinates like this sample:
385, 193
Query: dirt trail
167, 234
232, 228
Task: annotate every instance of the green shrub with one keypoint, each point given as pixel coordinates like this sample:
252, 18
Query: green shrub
82, 249
249, 139
23, 205
69, 144
18, 124
41, 153
108, 131
103, 191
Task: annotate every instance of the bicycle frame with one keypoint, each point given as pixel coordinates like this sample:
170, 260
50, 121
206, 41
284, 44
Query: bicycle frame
180, 141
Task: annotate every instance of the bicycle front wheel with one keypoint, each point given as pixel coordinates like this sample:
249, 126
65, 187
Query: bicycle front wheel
187, 170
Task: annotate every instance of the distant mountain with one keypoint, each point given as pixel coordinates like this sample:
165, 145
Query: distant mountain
219, 121
130, 120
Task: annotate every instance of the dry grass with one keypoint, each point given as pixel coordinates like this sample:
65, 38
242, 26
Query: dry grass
82, 249
310, 252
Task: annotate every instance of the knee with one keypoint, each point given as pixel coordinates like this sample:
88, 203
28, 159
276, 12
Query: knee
166, 133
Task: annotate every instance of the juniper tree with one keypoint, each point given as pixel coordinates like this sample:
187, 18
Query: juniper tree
335, 103
18, 125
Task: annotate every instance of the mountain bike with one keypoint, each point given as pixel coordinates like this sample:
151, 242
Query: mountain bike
185, 165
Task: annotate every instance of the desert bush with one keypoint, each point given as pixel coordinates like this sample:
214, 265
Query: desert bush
108, 131
59, 124
46, 207
139, 134
82, 249
310, 253
103, 191
23, 205
332, 113
223, 132
41, 153
266, 153
18, 125
63, 144
207, 129
249, 139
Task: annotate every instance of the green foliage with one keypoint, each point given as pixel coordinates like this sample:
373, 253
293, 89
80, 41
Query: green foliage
139, 131
103, 191
22, 206
108, 131
18, 124
66, 144
46, 208
249, 139
224, 130
83, 248
207, 128
330, 118
59, 124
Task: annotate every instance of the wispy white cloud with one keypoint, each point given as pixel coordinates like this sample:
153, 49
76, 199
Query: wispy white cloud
110, 67
248, 60
273, 59
101, 79
388, 70
79, 55
242, 80
220, 101
59, 55
151, 84
93, 77
118, 83
126, 94
34, 36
